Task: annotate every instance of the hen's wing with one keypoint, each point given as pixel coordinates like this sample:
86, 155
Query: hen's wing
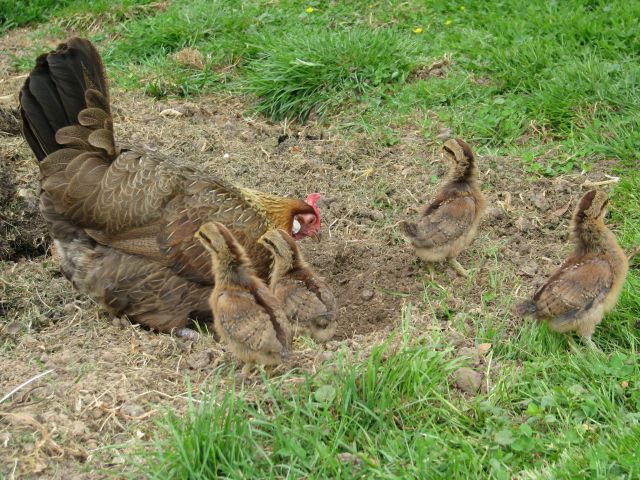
129, 285
443, 224
574, 288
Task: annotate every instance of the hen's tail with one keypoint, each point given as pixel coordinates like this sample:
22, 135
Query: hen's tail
63, 84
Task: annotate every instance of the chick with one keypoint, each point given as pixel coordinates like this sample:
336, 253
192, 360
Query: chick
307, 299
450, 223
246, 314
588, 284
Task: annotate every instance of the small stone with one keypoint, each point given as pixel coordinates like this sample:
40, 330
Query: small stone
523, 248
190, 58
540, 202
561, 186
199, 360
376, 215
444, 134
529, 269
457, 340
349, 458
318, 150
322, 357
130, 409
13, 328
69, 308
468, 380
109, 356
523, 224
484, 348
26, 194
96, 413
171, 112
494, 213
78, 427
366, 294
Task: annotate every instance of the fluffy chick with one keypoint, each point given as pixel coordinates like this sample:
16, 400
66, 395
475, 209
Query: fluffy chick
450, 223
307, 299
246, 314
587, 285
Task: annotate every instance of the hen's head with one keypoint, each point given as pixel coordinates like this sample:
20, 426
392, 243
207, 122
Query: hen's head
307, 223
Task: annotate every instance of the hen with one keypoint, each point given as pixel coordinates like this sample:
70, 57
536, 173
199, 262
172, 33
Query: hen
247, 316
450, 223
128, 217
587, 285
306, 298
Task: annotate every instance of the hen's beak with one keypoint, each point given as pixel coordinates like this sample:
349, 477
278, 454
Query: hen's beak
316, 236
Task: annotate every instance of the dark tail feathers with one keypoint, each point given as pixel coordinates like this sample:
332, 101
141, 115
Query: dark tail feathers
54, 94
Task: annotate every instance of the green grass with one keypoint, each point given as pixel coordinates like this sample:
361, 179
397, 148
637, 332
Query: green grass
561, 74
394, 416
526, 79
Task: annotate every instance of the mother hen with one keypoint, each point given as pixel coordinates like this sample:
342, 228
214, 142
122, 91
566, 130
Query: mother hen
123, 221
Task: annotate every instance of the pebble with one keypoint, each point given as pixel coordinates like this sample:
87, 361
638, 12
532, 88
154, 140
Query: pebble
529, 269
484, 348
444, 134
523, 224
131, 409
366, 294
540, 202
468, 380
494, 213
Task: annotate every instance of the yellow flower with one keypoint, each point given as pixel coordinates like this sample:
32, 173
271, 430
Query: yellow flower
417, 30
309, 10
448, 21
462, 8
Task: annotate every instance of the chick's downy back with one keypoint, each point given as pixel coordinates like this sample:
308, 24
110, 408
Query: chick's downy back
246, 314
307, 299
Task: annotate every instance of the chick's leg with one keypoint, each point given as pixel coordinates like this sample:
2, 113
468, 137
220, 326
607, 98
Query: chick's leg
246, 370
591, 344
432, 271
457, 267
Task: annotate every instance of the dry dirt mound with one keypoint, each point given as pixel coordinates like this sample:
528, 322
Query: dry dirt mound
109, 379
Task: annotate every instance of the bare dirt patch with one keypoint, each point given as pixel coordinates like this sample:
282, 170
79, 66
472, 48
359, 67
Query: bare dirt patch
110, 380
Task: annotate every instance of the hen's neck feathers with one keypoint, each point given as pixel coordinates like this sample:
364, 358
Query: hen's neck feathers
277, 211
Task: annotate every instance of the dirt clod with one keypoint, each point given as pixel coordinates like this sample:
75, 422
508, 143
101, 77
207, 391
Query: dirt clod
468, 380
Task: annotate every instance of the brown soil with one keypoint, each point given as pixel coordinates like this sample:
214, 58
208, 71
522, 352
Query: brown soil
110, 380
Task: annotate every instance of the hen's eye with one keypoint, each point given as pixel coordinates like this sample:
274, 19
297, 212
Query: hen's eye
296, 226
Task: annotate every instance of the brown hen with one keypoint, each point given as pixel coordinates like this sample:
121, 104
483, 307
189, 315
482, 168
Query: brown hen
307, 299
587, 285
246, 314
134, 213
450, 223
